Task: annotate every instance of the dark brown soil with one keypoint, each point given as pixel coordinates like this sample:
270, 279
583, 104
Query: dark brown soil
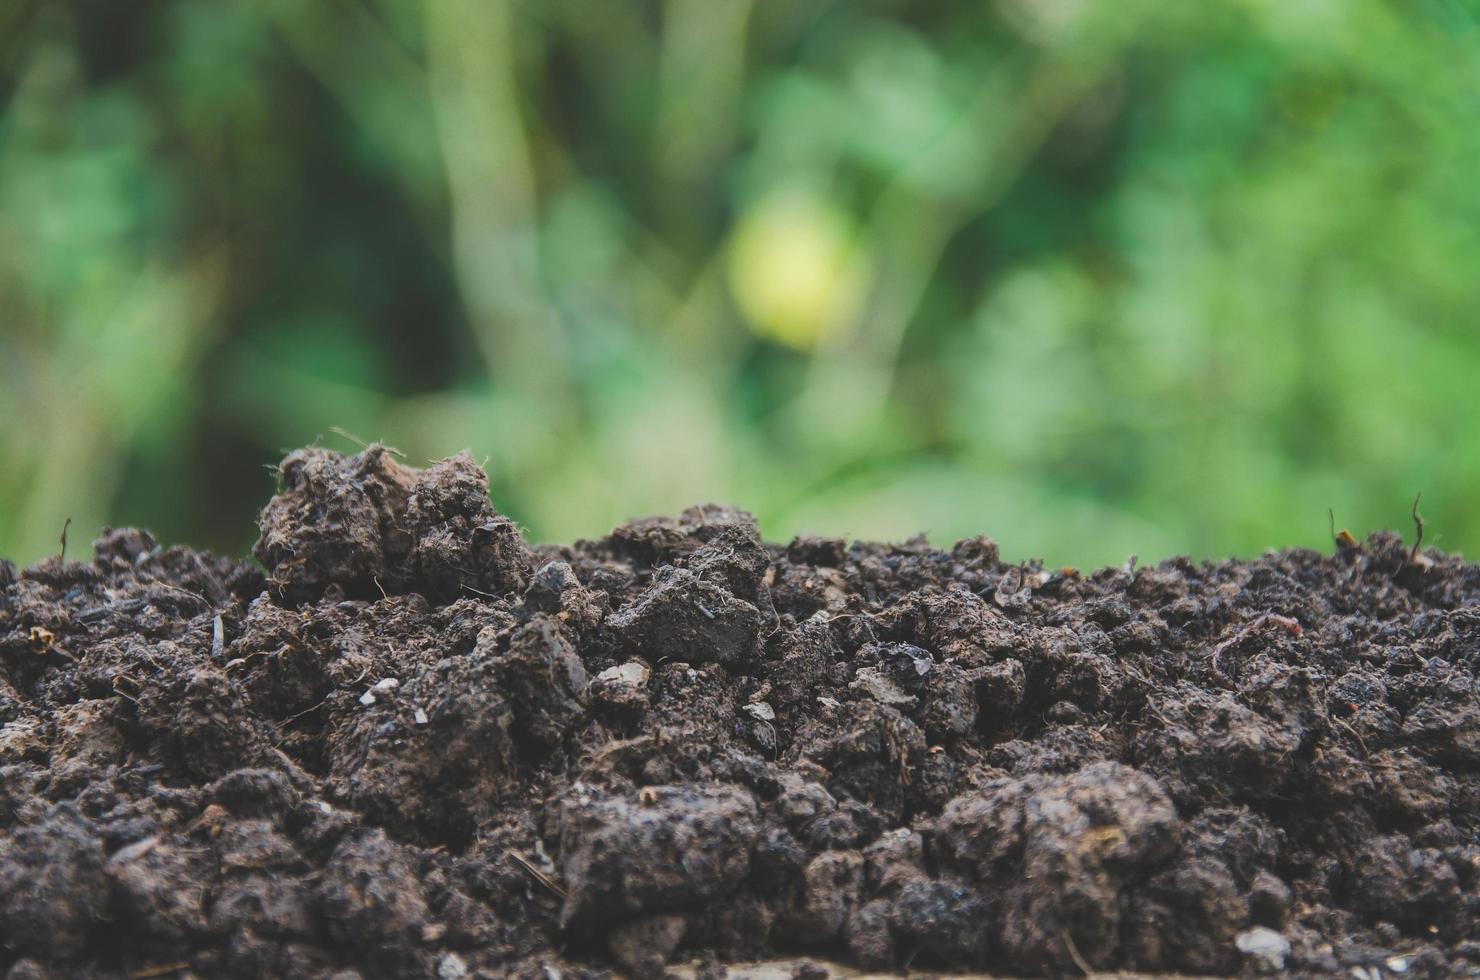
418, 747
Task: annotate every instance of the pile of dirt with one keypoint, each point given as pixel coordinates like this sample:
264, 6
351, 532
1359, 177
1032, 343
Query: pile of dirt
417, 746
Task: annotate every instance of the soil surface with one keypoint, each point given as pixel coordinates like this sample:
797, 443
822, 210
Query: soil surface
409, 744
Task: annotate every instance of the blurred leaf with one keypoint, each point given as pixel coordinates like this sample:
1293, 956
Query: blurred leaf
1095, 278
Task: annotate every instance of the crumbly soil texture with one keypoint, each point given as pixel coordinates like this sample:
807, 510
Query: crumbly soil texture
404, 742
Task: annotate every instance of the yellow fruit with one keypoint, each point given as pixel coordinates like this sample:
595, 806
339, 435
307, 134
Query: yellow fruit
796, 271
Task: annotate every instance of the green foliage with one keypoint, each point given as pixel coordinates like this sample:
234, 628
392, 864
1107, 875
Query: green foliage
1092, 278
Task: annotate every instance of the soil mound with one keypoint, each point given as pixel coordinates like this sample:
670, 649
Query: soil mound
417, 746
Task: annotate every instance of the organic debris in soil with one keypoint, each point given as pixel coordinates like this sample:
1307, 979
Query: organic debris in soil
418, 746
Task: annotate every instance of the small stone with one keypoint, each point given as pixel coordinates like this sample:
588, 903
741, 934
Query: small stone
451, 967
623, 688
1267, 948
920, 661
870, 682
1398, 964
631, 674
761, 711
381, 687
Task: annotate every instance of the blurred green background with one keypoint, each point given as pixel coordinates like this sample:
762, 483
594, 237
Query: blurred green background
1092, 278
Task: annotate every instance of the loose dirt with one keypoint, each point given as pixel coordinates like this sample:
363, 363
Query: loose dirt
409, 744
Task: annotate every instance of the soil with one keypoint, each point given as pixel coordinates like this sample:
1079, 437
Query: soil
409, 744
